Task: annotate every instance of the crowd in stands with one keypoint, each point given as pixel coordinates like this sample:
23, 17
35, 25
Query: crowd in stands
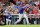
8, 7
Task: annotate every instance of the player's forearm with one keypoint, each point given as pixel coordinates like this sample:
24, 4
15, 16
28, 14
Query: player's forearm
16, 6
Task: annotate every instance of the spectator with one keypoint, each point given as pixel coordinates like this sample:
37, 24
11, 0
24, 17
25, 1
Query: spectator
16, 11
30, 9
39, 6
1, 17
0, 0
6, 2
39, 11
35, 11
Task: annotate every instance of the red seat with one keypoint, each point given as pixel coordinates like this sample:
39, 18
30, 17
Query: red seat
30, 15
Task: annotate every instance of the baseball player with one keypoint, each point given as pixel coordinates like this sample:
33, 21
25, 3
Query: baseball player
21, 13
8, 19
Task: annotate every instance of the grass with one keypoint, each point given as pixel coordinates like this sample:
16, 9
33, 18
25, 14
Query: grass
20, 26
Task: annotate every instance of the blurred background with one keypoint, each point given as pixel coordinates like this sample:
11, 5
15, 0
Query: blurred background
33, 10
